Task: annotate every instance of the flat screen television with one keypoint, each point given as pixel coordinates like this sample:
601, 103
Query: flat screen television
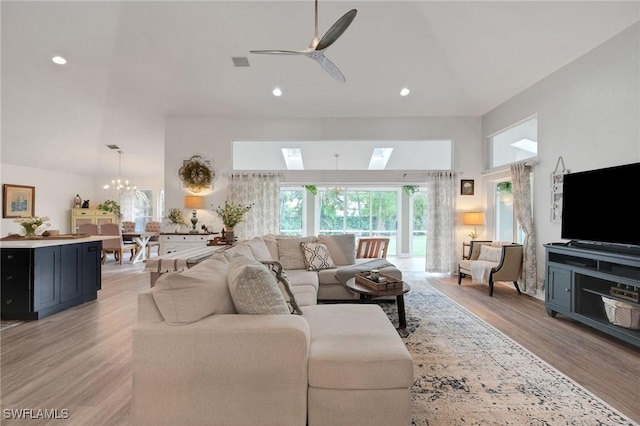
599, 208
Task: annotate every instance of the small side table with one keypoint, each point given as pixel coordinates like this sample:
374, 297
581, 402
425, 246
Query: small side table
367, 294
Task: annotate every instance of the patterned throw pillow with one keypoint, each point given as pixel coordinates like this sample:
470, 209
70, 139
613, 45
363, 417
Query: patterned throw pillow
316, 256
254, 289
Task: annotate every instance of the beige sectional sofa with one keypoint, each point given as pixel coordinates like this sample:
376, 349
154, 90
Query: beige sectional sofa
197, 361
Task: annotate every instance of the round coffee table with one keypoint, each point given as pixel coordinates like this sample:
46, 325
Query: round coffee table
367, 294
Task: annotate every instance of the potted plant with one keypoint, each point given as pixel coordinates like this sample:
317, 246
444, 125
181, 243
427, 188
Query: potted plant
111, 207
231, 215
176, 218
30, 224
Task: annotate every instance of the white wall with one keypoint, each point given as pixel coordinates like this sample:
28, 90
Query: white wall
55, 192
588, 113
212, 138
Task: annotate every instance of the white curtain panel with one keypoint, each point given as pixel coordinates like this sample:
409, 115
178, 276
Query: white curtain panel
262, 191
441, 214
521, 179
127, 205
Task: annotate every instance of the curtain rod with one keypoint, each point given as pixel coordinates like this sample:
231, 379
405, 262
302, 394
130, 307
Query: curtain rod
232, 174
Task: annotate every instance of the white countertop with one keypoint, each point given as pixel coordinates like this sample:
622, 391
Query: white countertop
51, 242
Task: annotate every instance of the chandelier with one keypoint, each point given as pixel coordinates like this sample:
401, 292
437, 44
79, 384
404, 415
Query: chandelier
119, 185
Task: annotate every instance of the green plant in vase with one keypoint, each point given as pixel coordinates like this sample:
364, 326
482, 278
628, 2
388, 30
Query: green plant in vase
176, 218
231, 215
30, 224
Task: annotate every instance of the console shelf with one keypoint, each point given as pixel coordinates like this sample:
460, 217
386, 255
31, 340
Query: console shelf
577, 278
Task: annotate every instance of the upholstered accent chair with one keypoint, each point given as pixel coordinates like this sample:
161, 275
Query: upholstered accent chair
372, 248
489, 262
114, 245
153, 226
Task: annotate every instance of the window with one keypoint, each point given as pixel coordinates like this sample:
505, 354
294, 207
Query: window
419, 224
292, 211
507, 228
142, 206
362, 212
515, 143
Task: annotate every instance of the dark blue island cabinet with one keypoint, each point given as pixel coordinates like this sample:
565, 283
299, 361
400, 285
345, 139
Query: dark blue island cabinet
41, 280
578, 281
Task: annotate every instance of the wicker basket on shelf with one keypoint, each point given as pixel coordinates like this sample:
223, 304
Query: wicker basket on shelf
622, 314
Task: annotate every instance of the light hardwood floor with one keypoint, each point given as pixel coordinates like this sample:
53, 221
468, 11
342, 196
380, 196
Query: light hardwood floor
80, 359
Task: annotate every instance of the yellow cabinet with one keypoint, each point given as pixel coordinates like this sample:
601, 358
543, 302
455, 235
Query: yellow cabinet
80, 216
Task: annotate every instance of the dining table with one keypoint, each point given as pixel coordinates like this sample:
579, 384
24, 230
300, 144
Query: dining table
141, 238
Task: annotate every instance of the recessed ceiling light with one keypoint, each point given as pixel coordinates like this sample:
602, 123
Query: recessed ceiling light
277, 92
404, 91
59, 60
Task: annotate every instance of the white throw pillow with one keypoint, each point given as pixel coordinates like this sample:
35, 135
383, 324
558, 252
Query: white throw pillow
490, 254
186, 297
259, 249
254, 289
290, 252
316, 256
342, 248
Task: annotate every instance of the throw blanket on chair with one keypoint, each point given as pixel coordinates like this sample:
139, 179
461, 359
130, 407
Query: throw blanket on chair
480, 271
345, 273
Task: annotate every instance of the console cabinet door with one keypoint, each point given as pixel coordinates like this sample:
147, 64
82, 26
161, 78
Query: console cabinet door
46, 276
70, 271
559, 287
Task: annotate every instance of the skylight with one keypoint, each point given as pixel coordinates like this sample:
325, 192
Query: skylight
379, 158
293, 158
527, 145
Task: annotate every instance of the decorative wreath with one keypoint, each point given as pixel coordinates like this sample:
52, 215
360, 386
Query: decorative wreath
196, 173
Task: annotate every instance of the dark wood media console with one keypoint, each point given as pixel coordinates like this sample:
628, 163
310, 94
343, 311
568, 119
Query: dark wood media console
577, 278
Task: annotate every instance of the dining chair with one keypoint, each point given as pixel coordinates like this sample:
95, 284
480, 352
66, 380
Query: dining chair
372, 248
128, 226
89, 229
153, 226
115, 245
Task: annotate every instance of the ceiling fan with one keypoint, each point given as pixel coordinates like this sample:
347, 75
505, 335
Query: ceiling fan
317, 46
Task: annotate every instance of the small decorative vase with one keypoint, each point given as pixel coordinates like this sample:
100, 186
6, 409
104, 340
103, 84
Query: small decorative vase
30, 234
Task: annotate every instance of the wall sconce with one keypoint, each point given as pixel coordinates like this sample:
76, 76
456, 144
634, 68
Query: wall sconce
193, 202
473, 219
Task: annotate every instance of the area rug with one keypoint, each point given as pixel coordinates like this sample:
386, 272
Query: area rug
469, 373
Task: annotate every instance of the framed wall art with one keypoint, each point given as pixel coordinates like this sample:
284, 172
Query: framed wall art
18, 200
467, 187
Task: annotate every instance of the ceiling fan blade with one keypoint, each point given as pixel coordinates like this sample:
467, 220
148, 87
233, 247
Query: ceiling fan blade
277, 52
336, 30
329, 67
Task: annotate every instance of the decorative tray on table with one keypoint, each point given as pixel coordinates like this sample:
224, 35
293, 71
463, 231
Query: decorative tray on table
384, 281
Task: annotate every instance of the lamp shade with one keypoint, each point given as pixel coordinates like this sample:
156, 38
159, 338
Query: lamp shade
473, 218
193, 202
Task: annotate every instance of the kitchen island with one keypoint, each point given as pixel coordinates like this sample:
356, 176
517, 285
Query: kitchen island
47, 275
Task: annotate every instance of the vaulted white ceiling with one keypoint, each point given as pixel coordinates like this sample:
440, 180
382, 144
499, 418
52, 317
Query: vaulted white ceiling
131, 64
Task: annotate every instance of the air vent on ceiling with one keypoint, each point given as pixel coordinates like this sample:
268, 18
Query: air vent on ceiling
111, 146
240, 61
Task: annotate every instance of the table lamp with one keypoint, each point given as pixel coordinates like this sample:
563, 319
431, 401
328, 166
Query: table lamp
193, 202
473, 219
